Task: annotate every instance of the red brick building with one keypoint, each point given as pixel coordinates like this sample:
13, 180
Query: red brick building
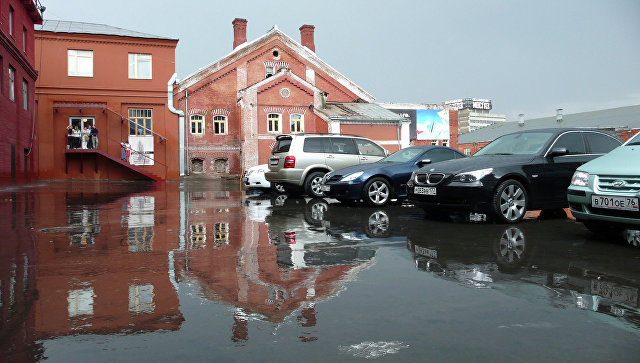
116, 79
272, 85
17, 89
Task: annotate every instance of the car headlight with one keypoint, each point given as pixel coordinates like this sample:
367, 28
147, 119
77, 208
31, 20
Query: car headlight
351, 177
580, 179
472, 176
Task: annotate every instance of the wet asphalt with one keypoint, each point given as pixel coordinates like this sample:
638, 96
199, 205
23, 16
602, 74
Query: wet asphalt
203, 270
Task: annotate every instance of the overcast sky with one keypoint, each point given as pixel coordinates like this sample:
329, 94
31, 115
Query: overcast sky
528, 57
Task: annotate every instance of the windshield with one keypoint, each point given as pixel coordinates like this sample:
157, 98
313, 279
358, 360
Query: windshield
634, 141
403, 155
522, 143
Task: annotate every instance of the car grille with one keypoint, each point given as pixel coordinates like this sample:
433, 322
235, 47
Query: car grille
616, 183
616, 213
429, 178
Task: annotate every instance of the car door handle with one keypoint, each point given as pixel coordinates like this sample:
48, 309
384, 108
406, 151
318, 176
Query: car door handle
363, 158
330, 156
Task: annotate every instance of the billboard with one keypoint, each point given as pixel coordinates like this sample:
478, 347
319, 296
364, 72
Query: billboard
432, 124
426, 124
141, 150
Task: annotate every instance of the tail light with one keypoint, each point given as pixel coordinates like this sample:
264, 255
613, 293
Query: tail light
290, 162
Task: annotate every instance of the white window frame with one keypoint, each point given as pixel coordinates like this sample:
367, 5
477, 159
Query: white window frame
135, 60
301, 126
12, 83
76, 58
11, 13
270, 129
269, 71
445, 142
221, 232
200, 121
224, 122
25, 94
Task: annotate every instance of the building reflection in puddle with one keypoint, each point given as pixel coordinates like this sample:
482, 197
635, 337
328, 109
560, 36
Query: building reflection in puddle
269, 258
496, 256
102, 266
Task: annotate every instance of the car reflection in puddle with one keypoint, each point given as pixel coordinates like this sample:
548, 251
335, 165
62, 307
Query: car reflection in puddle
532, 261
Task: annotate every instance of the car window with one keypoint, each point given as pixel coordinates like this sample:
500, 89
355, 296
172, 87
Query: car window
572, 141
315, 145
342, 145
634, 140
599, 143
282, 145
403, 155
439, 155
367, 147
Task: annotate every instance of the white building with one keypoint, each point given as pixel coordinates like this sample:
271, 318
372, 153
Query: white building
474, 113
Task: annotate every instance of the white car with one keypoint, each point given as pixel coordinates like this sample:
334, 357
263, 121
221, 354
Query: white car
253, 178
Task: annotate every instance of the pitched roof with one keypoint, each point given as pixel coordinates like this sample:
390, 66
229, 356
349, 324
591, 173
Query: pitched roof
359, 112
61, 26
621, 118
246, 48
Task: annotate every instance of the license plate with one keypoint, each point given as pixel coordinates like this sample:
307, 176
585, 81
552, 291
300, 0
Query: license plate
424, 190
273, 161
611, 202
325, 188
427, 252
618, 293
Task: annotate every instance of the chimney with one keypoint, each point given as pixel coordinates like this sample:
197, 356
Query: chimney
239, 32
306, 37
521, 119
559, 115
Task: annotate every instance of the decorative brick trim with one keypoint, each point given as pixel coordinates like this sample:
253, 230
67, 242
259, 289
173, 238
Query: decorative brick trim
220, 111
288, 80
300, 110
197, 111
214, 148
276, 65
208, 83
135, 44
272, 109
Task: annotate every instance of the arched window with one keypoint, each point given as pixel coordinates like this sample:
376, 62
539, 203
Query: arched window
219, 125
197, 124
274, 122
296, 123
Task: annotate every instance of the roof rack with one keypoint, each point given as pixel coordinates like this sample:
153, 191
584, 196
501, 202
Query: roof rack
317, 133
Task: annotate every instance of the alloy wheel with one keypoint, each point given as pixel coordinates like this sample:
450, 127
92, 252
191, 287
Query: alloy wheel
378, 192
512, 202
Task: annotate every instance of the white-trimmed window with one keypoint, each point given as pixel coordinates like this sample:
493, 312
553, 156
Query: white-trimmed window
140, 122
139, 66
221, 233
11, 20
197, 124
12, 83
25, 94
434, 142
445, 142
274, 122
467, 151
219, 125
24, 39
268, 71
296, 123
80, 63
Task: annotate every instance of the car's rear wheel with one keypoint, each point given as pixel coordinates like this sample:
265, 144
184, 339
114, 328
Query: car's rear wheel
312, 184
377, 192
510, 202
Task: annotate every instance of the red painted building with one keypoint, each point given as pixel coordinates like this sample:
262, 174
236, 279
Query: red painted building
272, 85
115, 79
17, 89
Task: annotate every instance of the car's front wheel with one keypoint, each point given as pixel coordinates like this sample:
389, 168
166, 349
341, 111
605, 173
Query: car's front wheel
510, 202
312, 184
377, 192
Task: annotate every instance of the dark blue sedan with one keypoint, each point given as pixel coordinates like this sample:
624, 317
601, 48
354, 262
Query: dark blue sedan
377, 183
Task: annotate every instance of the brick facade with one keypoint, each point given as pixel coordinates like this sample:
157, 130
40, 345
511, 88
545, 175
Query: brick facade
271, 75
17, 149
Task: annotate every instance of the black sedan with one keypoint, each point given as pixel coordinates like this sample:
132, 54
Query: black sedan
527, 170
377, 183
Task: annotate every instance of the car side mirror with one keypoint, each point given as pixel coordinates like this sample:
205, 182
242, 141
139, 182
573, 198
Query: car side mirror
558, 151
423, 162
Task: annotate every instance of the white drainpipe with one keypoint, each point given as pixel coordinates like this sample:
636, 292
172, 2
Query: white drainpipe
180, 114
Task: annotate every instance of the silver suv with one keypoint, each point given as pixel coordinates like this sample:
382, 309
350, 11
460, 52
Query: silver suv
300, 161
